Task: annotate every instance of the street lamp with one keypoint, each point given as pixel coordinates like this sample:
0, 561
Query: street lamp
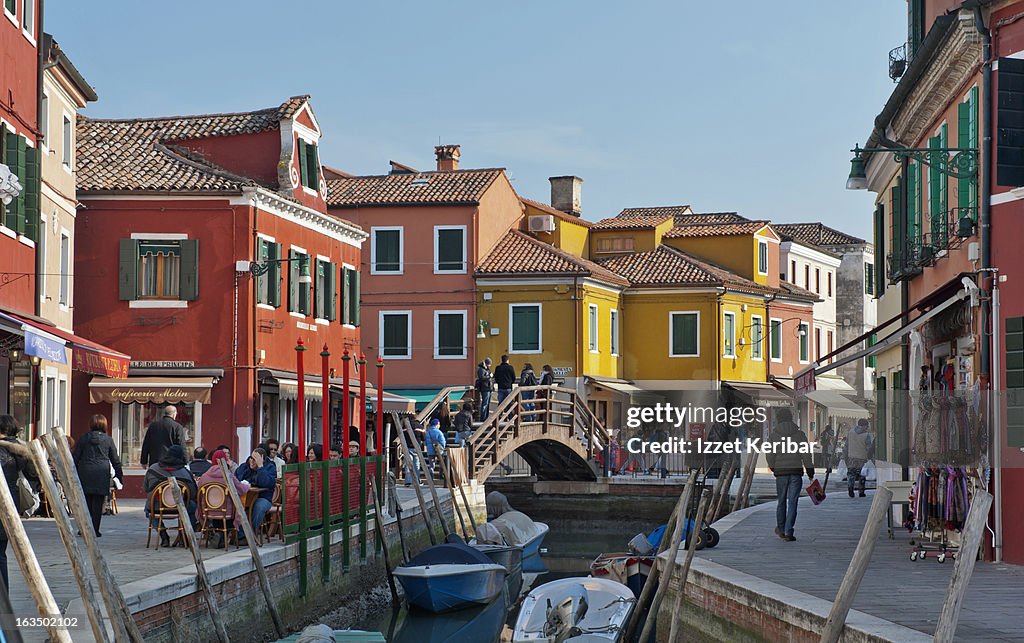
956, 162
260, 268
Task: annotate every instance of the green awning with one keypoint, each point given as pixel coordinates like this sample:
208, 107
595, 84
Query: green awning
423, 396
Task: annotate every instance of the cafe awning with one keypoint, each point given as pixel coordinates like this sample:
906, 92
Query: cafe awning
46, 341
833, 383
838, 405
289, 390
636, 394
759, 394
158, 390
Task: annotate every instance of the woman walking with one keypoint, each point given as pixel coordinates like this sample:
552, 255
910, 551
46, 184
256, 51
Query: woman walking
94, 456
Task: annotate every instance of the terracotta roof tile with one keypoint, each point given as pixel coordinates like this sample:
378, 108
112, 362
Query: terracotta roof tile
704, 218
520, 254
631, 223
461, 187
558, 214
672, 210
797, 292
715, 229
137, 154
816, 234
670, 267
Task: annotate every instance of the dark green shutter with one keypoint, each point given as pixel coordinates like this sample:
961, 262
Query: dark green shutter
942, 233
31, 183
879, 249
525, 328
128, 270
898, 216
293, 291
14, 147
966, 137
331, 293
189, 276
915, 26
936, 213
1014, 357
881, 419
312, 167
304, 290
775, 328
396, 335
972, 130
274, 275
346, 296
262, 281
318, 287
684, 334
451, 338
302, 162
354, 314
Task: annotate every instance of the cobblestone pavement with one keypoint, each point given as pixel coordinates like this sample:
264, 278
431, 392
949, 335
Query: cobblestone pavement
894, 588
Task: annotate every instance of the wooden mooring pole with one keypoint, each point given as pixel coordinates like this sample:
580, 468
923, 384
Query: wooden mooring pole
378, 521
684, 571
858, 565
410, 464
963, 567
429, 478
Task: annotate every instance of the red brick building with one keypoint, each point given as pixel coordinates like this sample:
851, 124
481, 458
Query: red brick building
177, 212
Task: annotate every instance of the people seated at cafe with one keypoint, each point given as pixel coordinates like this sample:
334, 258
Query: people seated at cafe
315, 452
259, 471
199, 463
172, 465
214, 474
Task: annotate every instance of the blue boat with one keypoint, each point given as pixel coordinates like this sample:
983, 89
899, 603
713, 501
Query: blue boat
477, 623
511, 558
449, 577
517, 528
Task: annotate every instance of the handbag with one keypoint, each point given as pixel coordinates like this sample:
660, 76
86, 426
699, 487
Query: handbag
815, 492
28, 499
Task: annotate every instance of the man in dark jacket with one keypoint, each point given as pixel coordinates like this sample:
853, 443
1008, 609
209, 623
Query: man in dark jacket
504, 378
199, 464
788, 469
15, 458
259, 471
485, 385
161, 434
172, 465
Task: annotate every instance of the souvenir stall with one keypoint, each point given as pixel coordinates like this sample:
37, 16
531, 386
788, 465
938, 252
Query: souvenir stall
950, 437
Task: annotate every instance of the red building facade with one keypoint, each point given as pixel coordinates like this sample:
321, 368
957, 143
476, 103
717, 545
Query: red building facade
194, 249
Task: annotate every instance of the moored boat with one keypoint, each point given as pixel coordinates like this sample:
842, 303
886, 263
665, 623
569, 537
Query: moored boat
450, 576
631, 570
517, 528
574, 610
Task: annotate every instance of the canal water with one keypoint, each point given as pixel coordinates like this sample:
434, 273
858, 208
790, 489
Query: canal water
567, 551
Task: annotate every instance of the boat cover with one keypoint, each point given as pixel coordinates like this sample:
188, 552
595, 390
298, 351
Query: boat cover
488, 534
497, 504
449, 554
516, 527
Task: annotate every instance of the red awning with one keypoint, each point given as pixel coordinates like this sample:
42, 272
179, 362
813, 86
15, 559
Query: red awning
87, 356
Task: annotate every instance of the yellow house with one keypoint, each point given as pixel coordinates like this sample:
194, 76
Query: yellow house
562, 230
542, 305
748, 248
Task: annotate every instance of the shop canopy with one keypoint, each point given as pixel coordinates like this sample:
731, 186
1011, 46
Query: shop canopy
833, 383
48, 342
156, 390
636, 394
759, 394
838, 405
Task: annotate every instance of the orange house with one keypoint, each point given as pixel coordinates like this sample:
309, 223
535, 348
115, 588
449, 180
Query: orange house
428, 231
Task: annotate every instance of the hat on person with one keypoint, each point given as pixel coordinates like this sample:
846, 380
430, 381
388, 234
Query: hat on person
435, 422
217, 456
862, 422
174, 456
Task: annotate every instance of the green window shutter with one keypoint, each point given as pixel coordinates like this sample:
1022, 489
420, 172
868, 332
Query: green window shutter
318, 288
293, 286
31, 183
451, 341
274, 275
1014, 358
881, 417
330, 293
776, 339
188, 280
14, 151
11, 6
870, 361
899, 220
526, 328
386, 250
312, 167
128, 270
936, 213
942, 233
354, 314
879, 249
973, 134
305, 290
346, 296
684, 334
918, 230
303, 167
396, 335
450, 246
963, 140
262, 281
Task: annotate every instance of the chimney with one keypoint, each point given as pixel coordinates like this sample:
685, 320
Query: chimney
447, 157
565, 194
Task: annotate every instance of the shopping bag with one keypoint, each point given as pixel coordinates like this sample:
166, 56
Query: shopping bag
869, 471
815, 492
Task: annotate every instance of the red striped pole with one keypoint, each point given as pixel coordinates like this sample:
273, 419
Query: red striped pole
325, 376
362, 402
346, 420
300, 370
380, 405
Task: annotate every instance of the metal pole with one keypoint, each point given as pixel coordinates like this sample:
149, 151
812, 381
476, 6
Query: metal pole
997, 418
300, 371
362, 404
380, 405
346, 419
325, 421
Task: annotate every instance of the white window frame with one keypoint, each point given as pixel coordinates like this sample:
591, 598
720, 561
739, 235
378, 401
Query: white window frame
671, 332
437, 333
770, 356
380, 333
465, 259
613, 331
29, 33
62, 405
762, 245
11, 16
540, 328
803, 326
373, 250
49, 407
593, 341
65, 271
733, 338
67, 159
759, 343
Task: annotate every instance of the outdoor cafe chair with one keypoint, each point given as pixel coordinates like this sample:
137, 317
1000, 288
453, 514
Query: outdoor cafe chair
218, 513
161, 507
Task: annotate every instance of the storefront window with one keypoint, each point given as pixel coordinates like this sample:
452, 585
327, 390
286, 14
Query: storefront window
21, 395
133, 420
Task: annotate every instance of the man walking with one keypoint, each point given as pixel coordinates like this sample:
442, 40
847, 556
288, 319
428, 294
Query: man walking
504, 377
858, 451
485, 386
788, 469
161, 434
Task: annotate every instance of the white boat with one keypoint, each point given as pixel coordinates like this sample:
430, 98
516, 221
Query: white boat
516, 528
575, 610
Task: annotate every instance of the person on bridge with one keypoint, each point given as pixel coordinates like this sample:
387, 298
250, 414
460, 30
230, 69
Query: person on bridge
434, 442
485, 386
788, 469
859, 447
527, 378
505, 378
161, 434
464, 422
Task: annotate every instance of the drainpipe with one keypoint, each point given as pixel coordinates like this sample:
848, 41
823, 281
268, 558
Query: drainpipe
577, 302
42, 55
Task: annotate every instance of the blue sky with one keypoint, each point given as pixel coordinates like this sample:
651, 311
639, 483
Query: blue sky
749, 106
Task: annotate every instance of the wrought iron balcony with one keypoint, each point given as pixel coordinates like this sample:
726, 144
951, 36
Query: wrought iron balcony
898, 62
926, 249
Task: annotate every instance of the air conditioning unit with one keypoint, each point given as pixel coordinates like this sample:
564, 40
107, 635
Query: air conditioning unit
542, 223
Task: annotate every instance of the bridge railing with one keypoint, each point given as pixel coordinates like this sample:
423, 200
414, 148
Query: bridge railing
443, 397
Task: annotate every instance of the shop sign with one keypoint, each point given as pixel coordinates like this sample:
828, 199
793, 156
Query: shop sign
561, 371
162, 364
804, 382
697, 430
44, 347
89, 361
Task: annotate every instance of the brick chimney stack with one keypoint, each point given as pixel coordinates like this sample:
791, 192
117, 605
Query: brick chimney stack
565, 194
447, 157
